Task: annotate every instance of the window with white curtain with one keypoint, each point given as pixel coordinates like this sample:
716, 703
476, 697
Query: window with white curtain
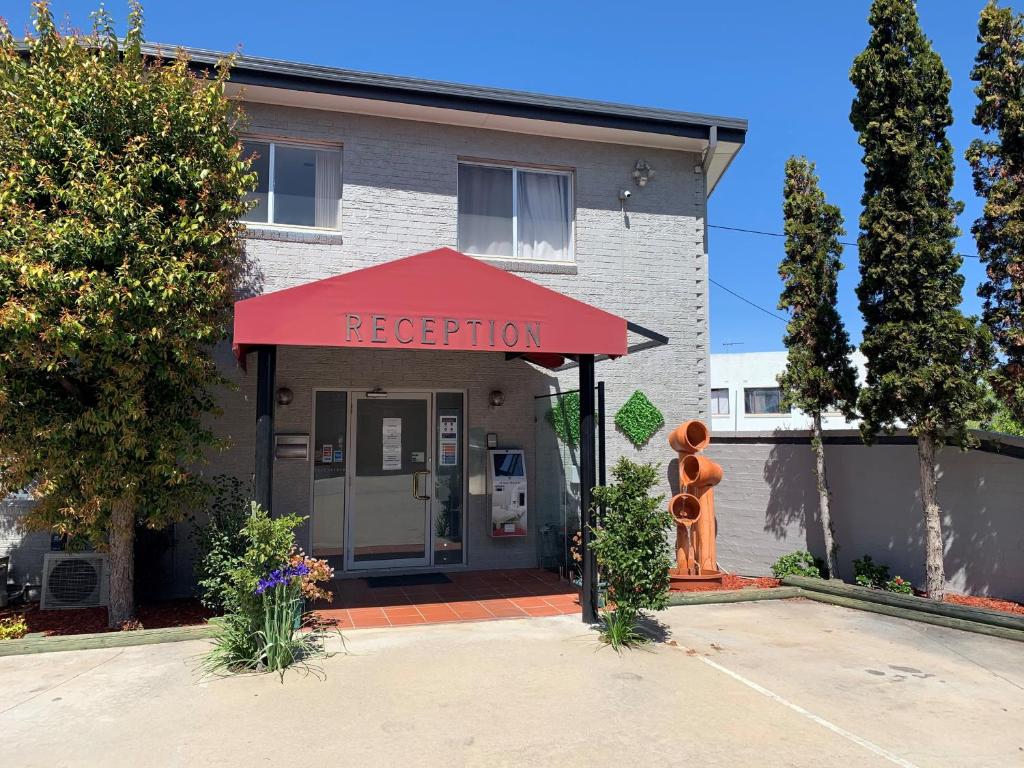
517, 213
763, 400
297, 185
719, 402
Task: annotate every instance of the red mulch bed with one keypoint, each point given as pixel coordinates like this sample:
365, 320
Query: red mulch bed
992, 603
730, 582
78, 621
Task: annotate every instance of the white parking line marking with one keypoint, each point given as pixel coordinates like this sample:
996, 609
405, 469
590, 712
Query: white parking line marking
870, 746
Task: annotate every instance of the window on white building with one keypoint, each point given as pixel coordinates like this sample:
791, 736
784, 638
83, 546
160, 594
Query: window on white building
515, 213
298, 186
762, 400
719, 402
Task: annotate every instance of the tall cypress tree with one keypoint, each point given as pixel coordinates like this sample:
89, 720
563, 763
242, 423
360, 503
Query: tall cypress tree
997, 162
819, 375
925, 359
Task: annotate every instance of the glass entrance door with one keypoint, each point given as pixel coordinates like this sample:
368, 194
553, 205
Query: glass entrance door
390, 484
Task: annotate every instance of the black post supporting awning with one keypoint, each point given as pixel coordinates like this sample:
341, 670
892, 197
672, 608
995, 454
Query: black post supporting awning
588, 479
263, 473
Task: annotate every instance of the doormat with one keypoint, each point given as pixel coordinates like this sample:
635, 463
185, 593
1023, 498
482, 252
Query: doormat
414, 580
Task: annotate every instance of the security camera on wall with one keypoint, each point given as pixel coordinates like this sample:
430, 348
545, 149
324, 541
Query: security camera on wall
624, 195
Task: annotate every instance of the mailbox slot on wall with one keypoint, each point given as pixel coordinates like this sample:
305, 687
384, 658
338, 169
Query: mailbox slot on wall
291, 447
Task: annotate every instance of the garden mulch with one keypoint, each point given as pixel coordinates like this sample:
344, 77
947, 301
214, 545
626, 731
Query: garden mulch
78, 621
731, 582
992, 603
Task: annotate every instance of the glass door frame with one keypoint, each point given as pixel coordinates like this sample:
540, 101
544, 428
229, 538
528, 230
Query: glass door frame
464, 440
428, 504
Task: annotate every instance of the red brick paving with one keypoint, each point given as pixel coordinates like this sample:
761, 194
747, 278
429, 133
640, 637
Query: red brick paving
472, 596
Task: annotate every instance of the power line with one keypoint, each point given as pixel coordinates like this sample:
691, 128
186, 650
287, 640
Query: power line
748, 301
781, 234
765, 234
762, 232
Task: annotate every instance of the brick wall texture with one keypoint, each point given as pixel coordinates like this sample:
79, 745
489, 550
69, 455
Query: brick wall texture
645, 262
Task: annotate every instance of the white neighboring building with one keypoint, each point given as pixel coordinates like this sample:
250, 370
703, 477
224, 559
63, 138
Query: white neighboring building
745, 394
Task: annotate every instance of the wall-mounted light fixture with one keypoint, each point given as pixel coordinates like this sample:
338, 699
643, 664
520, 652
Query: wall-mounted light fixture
376, 392
284, 396
642, 173
496, 398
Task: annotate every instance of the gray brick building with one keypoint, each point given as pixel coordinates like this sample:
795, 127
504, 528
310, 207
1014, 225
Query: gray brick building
603, 203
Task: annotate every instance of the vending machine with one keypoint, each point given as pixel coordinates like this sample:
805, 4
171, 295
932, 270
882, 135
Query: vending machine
507, 488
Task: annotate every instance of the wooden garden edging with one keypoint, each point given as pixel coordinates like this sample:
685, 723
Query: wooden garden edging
733, 595
980, 620
104, 640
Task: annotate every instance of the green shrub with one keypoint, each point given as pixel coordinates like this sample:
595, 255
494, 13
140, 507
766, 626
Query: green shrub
269, 543
630, 544
13, 628
799, 563
220, 543
264, 627
900, 585
867, 573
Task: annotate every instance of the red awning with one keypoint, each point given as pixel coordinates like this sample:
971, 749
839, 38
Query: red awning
440, 300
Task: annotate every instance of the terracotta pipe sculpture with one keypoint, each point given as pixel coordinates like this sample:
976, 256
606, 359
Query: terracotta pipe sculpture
693, 509
685, 511
690, 437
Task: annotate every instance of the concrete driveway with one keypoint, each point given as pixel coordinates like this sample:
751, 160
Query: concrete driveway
780, 683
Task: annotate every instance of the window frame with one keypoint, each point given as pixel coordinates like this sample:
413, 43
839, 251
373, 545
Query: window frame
781, 414
728, 408
516, 168
272, 142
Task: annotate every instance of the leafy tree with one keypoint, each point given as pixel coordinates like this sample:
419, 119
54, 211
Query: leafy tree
1000, 419
121, 187
997, 162
819, 375
925, 359
1003, 421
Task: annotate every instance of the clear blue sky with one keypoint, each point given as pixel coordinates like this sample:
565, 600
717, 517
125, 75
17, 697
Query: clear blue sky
782, 65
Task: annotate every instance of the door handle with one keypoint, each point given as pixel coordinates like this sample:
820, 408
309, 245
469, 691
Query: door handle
416, 492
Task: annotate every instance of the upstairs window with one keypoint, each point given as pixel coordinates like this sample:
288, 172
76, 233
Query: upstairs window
298, 186
763, 400
719, 402
515, 213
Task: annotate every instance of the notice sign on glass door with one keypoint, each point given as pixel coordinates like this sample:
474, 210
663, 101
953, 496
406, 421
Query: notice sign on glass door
392, 444
449, 435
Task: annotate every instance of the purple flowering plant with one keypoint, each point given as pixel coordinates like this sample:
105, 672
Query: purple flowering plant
282, 577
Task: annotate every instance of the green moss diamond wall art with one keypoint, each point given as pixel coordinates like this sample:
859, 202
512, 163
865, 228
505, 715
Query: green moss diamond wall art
639, 419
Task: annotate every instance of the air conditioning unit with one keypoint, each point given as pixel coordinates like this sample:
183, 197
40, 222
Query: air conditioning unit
75, 580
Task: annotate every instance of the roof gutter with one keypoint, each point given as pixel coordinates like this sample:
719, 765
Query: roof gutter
272, 73
310, 78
